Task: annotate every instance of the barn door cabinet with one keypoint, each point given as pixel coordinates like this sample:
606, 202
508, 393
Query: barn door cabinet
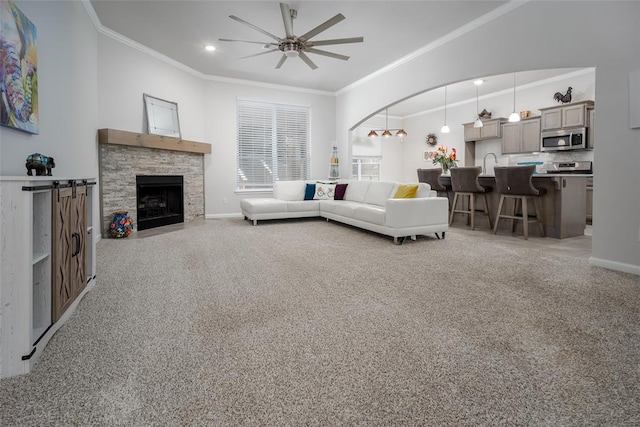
46, 263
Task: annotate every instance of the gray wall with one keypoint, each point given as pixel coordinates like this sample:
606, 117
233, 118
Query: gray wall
537, 35
67, 92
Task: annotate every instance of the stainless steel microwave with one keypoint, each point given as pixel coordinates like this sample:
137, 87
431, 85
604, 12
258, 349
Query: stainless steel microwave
565, 139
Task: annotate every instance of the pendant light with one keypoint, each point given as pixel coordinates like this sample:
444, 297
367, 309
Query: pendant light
445, 128
478, 123
514, 117
386, 132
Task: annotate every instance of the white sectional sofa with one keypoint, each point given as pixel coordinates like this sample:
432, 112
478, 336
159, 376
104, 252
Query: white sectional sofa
365, 204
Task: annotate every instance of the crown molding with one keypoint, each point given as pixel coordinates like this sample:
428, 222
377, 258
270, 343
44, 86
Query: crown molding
157, 55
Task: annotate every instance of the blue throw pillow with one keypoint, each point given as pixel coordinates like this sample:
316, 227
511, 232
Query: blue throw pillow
310, 191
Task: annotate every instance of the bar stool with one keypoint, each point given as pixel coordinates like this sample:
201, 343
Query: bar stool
514, 182
464, 182
432, 177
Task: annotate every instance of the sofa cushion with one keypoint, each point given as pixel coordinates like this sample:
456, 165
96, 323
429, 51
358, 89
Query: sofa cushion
310, 192
264, 205
405, 191
324, 191
340, 190
303, 206
379, 192
424, 190
289, 190
370, 213
356, 191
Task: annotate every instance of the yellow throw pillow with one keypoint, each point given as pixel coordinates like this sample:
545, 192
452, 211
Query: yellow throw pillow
406, 192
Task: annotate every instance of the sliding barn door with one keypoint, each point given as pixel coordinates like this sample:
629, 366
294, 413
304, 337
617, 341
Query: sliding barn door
69, 234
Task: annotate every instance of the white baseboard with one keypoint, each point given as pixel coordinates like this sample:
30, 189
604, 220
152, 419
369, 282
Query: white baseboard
613, 265
221, 216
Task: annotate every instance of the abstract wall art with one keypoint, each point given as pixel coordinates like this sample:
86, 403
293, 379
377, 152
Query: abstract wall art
18, 70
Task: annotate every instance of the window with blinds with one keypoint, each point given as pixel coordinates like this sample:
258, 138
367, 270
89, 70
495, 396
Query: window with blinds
273, 144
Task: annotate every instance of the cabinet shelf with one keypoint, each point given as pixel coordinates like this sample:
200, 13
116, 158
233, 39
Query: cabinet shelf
40, 256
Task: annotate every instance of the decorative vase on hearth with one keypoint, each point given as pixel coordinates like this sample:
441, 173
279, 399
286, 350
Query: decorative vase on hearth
121, 224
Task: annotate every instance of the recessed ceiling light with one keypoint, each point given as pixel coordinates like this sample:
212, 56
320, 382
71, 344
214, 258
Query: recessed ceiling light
210, 48
478, 82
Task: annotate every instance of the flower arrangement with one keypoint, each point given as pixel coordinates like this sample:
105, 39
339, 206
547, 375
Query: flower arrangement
444, 158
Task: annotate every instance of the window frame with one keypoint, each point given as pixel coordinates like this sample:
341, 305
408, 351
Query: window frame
278, 136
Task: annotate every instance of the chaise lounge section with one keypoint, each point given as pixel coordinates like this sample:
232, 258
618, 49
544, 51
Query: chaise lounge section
373, 206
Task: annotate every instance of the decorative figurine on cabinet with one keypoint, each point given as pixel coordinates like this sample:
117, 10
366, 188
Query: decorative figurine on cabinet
40, 163
566, 98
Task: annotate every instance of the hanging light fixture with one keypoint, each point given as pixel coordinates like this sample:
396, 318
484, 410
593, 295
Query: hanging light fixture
514, 117
445, 128
478, 123
386, 132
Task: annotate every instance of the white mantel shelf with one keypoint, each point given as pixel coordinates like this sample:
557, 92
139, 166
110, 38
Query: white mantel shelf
121, 137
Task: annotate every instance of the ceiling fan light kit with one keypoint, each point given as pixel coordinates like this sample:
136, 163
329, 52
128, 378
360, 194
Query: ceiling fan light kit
293, 46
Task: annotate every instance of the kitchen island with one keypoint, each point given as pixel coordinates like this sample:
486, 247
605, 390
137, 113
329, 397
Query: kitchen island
563, 206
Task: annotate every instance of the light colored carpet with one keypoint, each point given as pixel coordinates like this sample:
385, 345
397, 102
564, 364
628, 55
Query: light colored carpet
304, 322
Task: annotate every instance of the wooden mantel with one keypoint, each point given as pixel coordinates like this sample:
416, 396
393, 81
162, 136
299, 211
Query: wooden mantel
121, 137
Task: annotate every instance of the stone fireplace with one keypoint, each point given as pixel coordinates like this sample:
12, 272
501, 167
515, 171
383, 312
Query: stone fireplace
125, 156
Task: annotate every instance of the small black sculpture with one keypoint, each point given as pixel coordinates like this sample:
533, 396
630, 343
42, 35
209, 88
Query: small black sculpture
566, 98
484, 114
40, 163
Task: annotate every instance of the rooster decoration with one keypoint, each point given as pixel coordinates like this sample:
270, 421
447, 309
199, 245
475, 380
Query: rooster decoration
566, 98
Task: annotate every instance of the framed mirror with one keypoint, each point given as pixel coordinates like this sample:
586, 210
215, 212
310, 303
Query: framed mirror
162, 117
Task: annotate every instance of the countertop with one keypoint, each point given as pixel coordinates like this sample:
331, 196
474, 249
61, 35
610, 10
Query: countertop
546, 175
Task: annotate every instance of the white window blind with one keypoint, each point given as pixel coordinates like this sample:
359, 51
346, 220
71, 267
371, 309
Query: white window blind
273, 144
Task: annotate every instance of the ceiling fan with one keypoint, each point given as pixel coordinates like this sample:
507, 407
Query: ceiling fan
292, 45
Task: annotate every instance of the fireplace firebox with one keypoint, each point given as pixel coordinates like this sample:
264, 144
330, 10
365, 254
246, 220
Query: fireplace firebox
160, 200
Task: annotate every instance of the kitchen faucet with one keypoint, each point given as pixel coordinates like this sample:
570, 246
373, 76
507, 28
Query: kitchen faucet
484, 162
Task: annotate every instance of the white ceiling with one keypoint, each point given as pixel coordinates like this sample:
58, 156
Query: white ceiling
179, 29
391, 30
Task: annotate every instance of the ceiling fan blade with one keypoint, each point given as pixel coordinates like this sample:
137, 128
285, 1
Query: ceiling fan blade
279, 64
249, 41
266, 33
308, 60
325, 53
336, 41
286, 18
322, 27
258, 54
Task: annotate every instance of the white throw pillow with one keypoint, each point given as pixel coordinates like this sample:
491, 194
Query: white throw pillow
324, 191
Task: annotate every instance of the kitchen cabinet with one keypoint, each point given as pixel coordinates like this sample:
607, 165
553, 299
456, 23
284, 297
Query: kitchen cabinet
565, 116
28, 211
491, 130
521, 137
589, 200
